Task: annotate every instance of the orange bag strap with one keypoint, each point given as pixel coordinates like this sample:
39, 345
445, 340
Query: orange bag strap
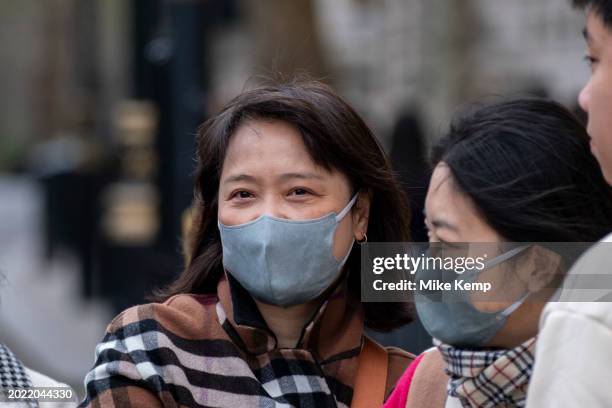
371, 379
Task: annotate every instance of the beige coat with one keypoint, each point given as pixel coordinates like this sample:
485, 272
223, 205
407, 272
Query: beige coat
573, 362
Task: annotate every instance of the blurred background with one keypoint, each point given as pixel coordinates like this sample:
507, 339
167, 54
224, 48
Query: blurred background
100, 101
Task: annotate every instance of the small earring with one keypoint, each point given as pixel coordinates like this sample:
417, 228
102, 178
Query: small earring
363, 240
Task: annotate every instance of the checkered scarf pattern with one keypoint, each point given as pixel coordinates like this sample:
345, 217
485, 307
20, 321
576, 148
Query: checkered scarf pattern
191, 352
13, 374
489, 378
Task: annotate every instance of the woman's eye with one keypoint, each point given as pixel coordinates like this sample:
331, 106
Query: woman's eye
299, 192
590, 60
242, 194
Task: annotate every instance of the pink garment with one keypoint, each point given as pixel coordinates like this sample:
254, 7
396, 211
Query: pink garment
399, 396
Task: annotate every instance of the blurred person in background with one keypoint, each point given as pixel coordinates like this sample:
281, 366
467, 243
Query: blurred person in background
408, 158
574, 353
517, 171
268, 308
15, 375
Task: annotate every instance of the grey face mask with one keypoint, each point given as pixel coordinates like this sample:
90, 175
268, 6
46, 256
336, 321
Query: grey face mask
453, 319
283, 262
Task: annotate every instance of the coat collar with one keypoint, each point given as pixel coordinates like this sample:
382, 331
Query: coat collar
336, 326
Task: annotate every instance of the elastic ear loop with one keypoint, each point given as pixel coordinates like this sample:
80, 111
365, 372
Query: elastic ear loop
339, 218
512, 308
502, 258
343, 213
505, 256
346, 209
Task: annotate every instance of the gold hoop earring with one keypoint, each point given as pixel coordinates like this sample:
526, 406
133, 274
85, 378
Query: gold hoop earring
363, 240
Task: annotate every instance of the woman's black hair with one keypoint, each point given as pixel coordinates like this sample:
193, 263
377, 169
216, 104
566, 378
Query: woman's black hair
528, 167
603, 8
336, 138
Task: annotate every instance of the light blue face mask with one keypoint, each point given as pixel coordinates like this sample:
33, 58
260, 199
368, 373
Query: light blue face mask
283, 262
453, 319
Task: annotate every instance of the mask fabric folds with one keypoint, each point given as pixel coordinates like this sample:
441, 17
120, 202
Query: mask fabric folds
283, 262
451, 317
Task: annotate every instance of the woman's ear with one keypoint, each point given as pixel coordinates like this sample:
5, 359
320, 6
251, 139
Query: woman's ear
361, 214
539, 268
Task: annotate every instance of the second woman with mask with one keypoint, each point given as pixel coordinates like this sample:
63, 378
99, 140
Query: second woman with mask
512, 172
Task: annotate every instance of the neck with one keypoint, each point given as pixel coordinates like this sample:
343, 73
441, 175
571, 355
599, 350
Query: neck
523, 323
287, 322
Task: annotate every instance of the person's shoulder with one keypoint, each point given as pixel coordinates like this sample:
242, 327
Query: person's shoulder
398, 361
41, 380
577, 305
597, 255
183, 313
587, 279
425, 380
599, 313
396, 353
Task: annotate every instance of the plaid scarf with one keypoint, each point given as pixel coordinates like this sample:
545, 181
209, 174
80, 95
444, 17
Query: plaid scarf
489, 378
217, 351
13, 374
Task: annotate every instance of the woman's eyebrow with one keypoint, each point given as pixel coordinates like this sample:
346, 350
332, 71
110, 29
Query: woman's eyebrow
440, 223
587, 36
240, 177
306, 175
283, 177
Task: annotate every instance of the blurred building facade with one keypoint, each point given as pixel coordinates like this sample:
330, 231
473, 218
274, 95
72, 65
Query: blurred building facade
437, 55
68, 62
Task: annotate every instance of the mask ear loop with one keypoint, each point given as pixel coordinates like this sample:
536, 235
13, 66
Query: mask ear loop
512, 308
339, 218
346, 209
502, 258
343, 213
505, 256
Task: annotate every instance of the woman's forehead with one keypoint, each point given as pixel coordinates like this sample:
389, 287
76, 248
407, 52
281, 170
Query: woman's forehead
445, 201
271, 149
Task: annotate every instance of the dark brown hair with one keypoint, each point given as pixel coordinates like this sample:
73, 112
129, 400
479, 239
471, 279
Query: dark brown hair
336, 138
527, 165
603, 8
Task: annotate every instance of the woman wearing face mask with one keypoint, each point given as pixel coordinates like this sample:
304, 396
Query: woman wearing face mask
268, 312
518, 171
